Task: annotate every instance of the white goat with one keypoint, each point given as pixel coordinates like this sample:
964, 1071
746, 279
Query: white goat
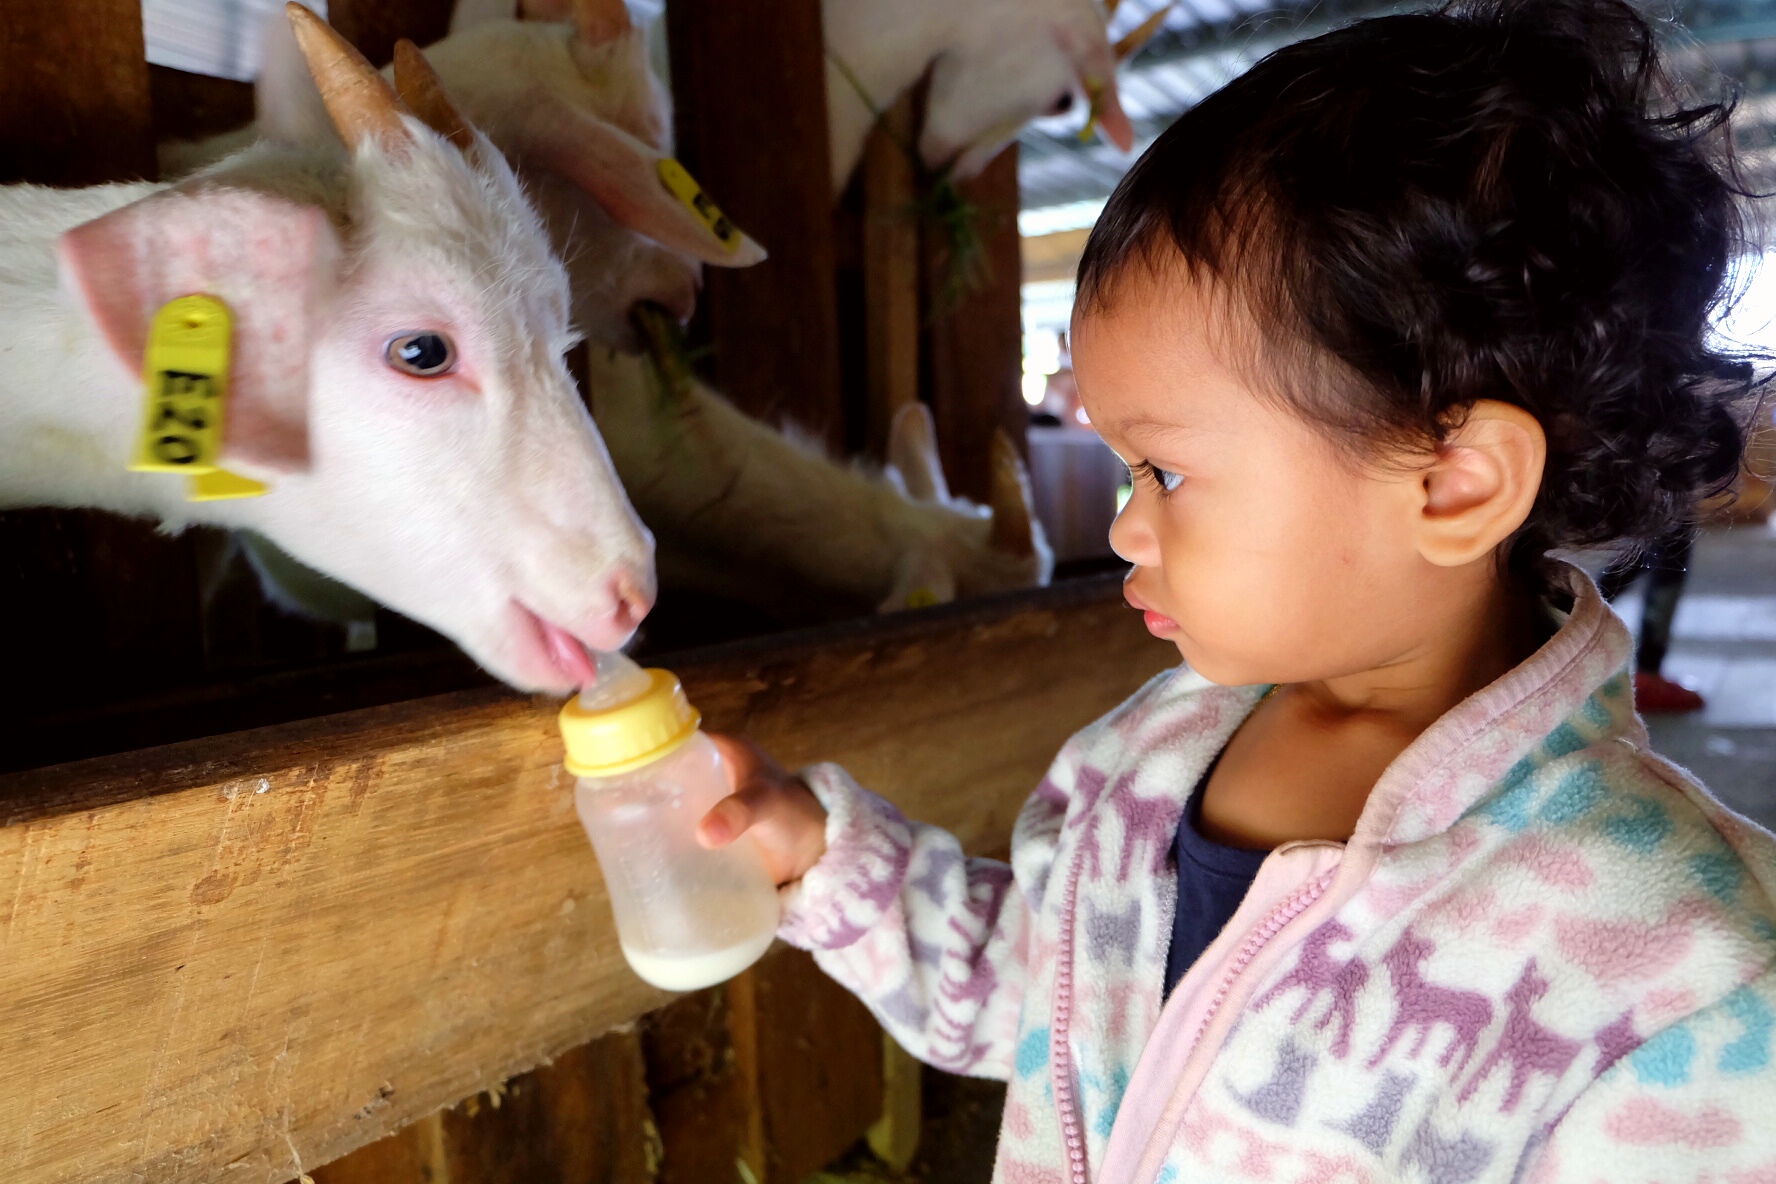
995, 65
526, 84
396, 376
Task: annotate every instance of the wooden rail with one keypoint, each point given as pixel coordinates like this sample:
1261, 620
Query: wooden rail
228, 957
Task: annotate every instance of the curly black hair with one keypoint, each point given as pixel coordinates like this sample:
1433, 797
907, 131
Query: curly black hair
1499, 199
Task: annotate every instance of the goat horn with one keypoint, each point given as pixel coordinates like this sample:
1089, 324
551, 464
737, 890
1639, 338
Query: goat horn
360, 101
601, 21
1012, 531
912, 450
421, 89
1140, 35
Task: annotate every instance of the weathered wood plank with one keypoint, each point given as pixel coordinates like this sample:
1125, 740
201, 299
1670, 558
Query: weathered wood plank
820, 1067
973, 349
232, 952
890, 268
749, 82
582, 1119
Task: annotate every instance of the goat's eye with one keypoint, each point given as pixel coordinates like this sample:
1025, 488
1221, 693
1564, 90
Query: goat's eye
1062, 105
424, 355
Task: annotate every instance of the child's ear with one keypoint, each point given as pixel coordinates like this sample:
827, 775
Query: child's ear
1481, 485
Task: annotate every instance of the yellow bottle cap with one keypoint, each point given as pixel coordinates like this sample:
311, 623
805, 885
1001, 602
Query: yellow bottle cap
613, 740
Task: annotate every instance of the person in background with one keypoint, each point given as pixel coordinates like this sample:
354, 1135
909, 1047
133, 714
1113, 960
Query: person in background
1666, 565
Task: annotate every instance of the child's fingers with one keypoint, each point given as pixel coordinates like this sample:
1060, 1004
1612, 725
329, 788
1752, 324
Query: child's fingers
745, 762
726, 821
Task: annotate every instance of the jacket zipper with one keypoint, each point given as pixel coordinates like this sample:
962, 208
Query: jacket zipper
1274, 922
1278, 918
1060, 1046
1060, 1050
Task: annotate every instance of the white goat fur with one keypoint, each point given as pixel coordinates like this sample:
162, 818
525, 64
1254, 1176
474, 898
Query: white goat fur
455, 500
745, 511
995, 65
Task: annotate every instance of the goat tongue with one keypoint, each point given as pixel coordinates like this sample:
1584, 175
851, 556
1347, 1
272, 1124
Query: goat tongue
569, 654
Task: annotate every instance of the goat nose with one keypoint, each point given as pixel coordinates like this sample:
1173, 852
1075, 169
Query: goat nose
630, 601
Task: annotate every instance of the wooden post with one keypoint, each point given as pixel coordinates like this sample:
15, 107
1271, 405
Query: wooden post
890, 266
375, 25
74, 104
749, 80
103, 602
973, 348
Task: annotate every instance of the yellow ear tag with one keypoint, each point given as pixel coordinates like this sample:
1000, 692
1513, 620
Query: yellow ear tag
1094, 94
185, 374
921, 598
684, 187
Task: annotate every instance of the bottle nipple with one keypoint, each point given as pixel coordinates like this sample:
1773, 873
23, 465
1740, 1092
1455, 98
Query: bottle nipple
616, 681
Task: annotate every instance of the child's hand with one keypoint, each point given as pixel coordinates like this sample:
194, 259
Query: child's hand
785, 818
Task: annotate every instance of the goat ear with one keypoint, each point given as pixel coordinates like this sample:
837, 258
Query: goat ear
623, 175
1112, 119
1014, 530
912, 450
267, 258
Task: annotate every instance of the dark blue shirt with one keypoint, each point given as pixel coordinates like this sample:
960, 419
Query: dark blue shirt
1212, 880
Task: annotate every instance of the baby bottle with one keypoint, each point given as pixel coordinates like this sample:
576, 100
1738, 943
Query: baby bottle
687, 916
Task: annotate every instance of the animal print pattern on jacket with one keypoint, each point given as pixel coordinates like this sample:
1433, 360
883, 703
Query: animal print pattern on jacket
1544, 956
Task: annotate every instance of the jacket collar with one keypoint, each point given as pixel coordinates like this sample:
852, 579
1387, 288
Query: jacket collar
1573, 692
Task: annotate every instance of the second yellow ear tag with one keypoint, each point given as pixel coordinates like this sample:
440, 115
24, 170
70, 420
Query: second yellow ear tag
185, 373
684, 187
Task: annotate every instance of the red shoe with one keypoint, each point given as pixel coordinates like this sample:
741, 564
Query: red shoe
1656, 694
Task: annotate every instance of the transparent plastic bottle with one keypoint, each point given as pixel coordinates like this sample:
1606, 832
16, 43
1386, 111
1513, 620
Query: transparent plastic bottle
687, 916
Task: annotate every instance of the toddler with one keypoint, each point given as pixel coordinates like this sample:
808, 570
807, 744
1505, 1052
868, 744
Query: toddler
1384, 884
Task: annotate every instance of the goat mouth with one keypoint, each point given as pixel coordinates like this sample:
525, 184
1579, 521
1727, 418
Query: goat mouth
562, 649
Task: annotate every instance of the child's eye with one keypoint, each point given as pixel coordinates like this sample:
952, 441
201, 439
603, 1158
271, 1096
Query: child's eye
1167, 480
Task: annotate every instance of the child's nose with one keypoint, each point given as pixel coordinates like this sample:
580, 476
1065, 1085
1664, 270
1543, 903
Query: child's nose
1132, 539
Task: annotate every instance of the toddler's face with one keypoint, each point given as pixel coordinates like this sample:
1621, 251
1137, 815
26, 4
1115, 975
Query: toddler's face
1260, 549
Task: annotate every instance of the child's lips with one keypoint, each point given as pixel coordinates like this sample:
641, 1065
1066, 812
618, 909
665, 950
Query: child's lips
1157, 623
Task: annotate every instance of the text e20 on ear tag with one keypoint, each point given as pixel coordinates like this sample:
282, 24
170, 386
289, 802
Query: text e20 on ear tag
185, 375
684, 187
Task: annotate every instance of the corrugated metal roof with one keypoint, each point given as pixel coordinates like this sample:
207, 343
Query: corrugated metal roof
1207, 43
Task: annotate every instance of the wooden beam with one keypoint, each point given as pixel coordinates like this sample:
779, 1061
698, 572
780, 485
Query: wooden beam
236, 954
973, 350
191, 106
890, 267
74, 106
749, 81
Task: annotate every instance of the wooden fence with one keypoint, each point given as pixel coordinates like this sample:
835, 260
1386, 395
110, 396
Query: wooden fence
228, 957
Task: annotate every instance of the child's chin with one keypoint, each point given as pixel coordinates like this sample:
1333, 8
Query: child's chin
1220, 670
